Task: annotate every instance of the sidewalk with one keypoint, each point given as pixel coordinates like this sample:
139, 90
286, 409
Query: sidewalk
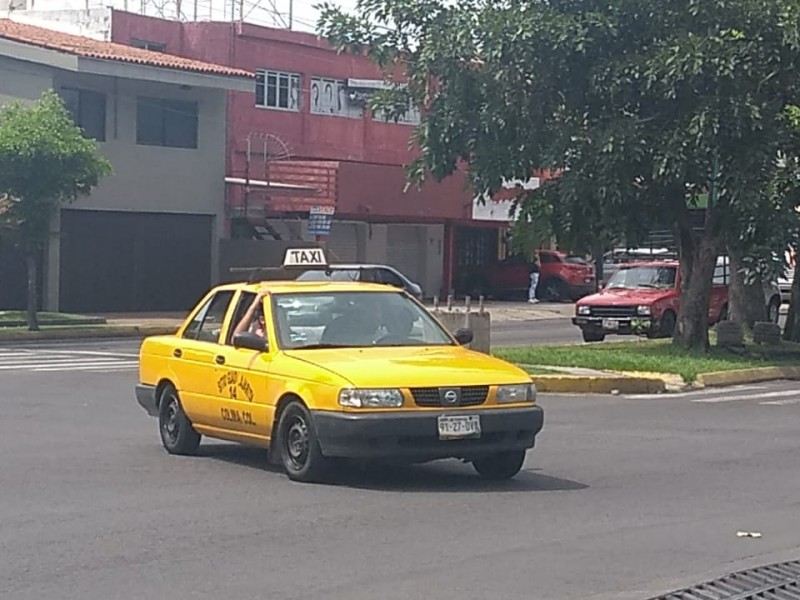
499, 311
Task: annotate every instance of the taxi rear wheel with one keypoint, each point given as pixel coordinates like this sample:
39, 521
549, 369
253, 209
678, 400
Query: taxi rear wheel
300, 453
503, 465
177, 433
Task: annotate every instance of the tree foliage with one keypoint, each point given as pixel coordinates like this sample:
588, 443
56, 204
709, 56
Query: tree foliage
642, 107
45, 161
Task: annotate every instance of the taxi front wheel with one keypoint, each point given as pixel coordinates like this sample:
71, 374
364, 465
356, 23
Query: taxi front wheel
300, 454
177, 433
503, 465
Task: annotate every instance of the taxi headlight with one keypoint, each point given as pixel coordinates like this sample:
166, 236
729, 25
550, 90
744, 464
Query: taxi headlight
644, 310
584, 310
524, 392
365, 398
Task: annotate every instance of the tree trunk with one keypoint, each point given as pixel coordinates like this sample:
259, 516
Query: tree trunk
33, 302
698, 257
791, 332
746, 303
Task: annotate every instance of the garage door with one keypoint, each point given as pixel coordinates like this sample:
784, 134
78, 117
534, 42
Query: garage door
342, 243
120, 262
405, 249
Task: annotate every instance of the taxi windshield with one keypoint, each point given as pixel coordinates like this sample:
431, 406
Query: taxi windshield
314, 320
658, 277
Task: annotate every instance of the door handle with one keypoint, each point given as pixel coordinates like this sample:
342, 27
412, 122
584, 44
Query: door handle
220, 360
177, 353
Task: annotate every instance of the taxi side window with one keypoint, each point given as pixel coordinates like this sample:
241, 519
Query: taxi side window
245, 300
207, 323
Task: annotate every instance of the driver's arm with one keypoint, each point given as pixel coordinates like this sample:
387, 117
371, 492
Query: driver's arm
244, 323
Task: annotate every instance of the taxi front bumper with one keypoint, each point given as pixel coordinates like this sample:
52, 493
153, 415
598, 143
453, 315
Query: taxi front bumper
415, 436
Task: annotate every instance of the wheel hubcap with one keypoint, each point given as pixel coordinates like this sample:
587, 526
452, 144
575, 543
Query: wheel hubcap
297, 443
171, 427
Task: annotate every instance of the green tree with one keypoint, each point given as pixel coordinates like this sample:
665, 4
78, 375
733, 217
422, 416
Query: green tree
649, 106
45, 161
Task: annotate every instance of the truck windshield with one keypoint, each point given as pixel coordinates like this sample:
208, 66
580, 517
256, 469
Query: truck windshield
643, 277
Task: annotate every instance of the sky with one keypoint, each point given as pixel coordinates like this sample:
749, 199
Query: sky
260, 12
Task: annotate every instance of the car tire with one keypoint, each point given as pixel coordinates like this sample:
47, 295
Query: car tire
592, 336
177, 434
723, 314
553, 290
666, 328
500, 466
774, 310
300, 453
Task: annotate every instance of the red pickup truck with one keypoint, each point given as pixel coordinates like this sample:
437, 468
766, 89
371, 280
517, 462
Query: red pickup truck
643, 298
561, 278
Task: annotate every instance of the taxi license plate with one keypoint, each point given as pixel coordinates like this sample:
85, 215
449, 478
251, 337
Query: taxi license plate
457, 427
610, 324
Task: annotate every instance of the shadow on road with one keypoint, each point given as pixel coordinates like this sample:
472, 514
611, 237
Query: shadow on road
441, 476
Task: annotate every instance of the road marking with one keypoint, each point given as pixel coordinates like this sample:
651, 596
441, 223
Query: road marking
44, 360
94, 366
695, 393
758, 397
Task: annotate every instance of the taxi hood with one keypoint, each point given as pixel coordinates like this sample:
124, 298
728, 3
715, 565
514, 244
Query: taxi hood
413, 366
626, 296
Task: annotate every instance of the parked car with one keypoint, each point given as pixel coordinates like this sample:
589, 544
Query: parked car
643, 298
364, 272
561, 278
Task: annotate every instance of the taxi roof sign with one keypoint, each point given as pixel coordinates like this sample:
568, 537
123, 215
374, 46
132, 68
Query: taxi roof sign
305, 258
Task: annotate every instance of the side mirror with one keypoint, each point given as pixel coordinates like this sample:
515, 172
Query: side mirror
251, 341
463, 336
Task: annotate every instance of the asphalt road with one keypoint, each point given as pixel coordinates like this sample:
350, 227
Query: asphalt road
624, 497
535, 332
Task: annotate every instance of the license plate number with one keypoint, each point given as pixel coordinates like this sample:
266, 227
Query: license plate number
610, 324
457, 427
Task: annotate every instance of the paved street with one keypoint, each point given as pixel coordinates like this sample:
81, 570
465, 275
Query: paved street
623, 498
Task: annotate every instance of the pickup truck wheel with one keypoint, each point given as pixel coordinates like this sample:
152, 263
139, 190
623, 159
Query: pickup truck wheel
553, 290
774, 310
667, 327
593, 336
500, 466
177, 433
300, 453
723, 314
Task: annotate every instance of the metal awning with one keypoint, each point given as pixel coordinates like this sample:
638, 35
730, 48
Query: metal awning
272, 186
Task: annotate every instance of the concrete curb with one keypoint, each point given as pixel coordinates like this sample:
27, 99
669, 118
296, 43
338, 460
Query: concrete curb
743, 376
55, 322
110, 331
573, 384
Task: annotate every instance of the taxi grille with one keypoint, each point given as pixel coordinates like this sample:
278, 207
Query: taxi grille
473, 395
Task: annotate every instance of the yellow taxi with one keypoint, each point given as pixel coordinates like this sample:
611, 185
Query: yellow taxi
317, 371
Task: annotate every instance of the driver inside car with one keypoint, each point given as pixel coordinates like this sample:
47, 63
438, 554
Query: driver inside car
253, 320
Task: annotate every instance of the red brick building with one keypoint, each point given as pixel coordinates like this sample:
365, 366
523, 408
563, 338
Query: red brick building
308, 113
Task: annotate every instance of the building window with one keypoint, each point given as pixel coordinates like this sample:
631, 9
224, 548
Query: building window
145, 45
411, 117
278, 90
330, 97
162, 122
88, 110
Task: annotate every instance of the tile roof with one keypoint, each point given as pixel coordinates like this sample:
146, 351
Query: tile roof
90, 48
